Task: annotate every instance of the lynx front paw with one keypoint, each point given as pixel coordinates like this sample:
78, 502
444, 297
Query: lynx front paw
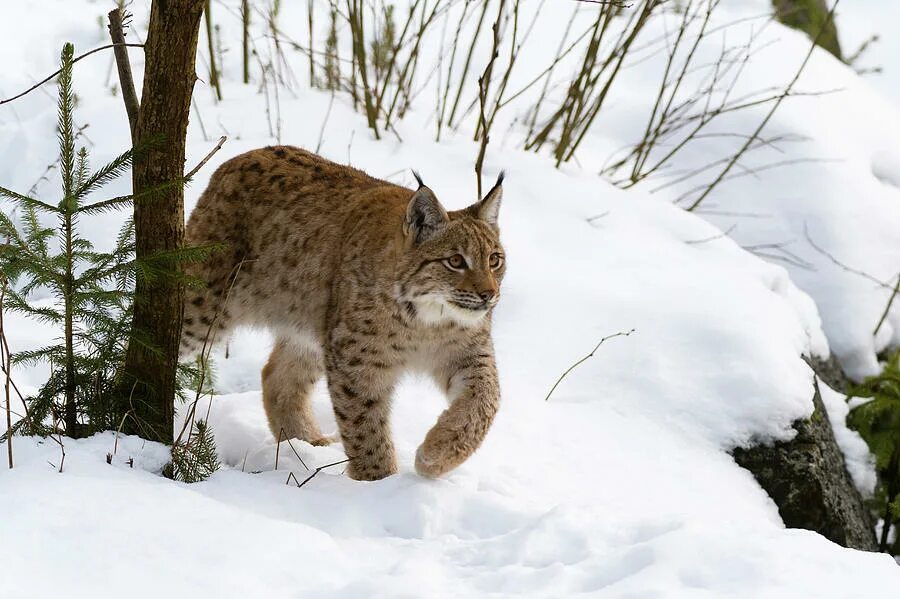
429, 463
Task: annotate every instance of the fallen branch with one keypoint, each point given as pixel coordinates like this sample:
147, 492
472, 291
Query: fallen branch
584, 359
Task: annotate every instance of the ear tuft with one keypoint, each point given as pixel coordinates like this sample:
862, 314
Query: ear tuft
489, 207
418, 179
425, 216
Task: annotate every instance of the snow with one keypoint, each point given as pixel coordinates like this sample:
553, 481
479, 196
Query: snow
860, 463
618, 485
100, 527
841, 195
858, 21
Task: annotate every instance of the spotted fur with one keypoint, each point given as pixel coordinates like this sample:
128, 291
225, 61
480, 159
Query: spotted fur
360, 280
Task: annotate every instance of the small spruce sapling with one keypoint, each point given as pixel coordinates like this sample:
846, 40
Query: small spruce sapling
91, 289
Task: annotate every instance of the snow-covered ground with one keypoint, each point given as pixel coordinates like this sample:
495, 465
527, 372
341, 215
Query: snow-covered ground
619, 485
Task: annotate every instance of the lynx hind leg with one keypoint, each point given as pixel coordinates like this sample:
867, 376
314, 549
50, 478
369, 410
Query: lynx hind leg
288, 380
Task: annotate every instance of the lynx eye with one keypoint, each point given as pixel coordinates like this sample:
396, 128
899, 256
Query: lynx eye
496, 261
455, 262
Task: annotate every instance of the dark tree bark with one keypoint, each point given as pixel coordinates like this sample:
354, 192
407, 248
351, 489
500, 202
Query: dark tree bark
149, 372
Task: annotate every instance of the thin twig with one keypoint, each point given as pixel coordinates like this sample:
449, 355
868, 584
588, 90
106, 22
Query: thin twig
840, 264
584, 359
57, 72
720, 235
119, 432
62, 449
206, 158
278, 446
880, 320
291, 445
319, 469
205, 350
592, 219
483, 130
325, 123
616, 3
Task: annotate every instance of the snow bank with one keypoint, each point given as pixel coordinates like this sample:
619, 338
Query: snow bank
619, 485
838, 190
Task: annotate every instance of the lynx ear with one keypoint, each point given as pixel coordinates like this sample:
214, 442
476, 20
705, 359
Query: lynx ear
489, 207
424, 214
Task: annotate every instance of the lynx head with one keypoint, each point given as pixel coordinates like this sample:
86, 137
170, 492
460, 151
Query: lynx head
453, 261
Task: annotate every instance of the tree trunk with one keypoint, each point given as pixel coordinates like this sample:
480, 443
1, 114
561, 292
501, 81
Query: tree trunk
149, 374
71, 411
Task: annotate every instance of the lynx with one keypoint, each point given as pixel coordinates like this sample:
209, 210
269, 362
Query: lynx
360, 280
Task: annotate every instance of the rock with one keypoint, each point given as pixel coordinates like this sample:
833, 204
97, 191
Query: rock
829, 370
808, 481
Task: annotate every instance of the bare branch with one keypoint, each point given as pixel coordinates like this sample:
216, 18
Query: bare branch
55, 73
840, 264
886, 308
584, 359
787, 90
206, 158
117, 34
315, 472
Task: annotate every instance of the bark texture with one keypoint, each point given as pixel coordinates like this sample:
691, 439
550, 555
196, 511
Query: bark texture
808, 481
170, 53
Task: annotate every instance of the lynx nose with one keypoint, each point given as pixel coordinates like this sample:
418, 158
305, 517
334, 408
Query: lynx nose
487, 295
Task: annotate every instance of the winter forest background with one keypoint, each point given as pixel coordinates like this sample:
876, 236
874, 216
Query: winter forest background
697, 341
